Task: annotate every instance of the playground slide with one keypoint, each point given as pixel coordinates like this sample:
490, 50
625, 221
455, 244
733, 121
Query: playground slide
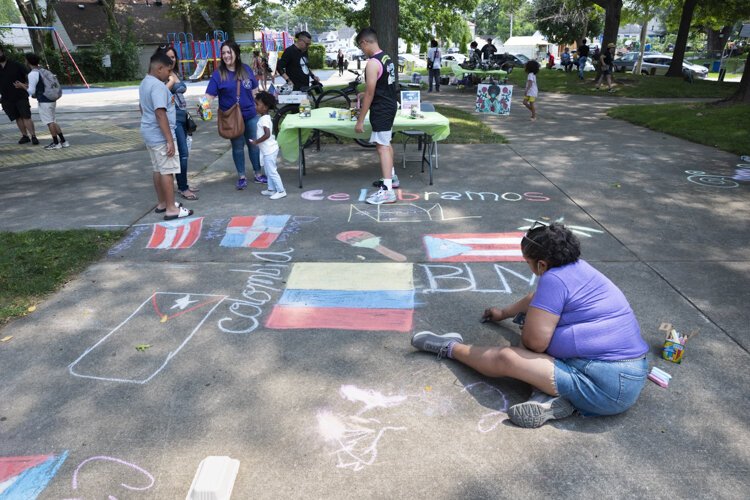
199, 69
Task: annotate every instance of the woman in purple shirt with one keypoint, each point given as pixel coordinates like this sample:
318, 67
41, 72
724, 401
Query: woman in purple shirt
223, 84
581, 346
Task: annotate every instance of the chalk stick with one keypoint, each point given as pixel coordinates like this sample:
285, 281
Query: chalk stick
658, 381
661, 372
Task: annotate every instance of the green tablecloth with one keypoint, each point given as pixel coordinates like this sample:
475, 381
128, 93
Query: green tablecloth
433, 124
457, 70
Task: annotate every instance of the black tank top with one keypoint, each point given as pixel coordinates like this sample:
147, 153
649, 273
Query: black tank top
384, 104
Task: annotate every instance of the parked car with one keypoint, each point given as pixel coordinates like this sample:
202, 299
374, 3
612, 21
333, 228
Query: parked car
522, 58
459, 58
627, 61
453, 50
589, 66
332, 60
659, 63
418, 63
514, 60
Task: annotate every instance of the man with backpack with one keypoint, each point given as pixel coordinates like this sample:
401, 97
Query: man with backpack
15, 101
43, 85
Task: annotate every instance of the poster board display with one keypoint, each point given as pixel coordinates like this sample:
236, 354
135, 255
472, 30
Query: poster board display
494, 98
410, 99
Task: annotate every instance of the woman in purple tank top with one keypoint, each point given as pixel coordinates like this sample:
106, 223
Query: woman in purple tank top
581, 346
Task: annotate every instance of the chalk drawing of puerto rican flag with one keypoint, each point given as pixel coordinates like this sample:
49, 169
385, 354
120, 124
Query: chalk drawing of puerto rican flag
474, 247
180, 233
24, 478
346, 296
254, 231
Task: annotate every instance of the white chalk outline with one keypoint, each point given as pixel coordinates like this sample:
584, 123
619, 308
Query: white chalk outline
168, 358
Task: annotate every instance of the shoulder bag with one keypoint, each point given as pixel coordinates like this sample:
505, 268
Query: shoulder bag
231, 124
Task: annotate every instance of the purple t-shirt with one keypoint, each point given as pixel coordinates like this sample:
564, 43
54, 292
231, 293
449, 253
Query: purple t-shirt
596, 321
227, 91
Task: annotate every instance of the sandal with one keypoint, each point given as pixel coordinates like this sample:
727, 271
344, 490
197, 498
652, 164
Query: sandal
162, 210
193, 189
184, 212
188, 195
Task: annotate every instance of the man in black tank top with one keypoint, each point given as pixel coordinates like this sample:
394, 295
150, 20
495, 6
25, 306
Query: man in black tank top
380, 100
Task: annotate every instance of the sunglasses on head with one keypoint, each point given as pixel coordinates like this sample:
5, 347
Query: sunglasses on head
536, 225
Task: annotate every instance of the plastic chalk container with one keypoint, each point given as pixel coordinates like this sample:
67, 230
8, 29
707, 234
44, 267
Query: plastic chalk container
672, 351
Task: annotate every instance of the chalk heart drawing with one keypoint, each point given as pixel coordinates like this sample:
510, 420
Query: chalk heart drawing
363, 239
474, 247
24, 478
258, 231
584, 231
141, 472
356, 438
408, 212
176, 234
166, 321
346, 296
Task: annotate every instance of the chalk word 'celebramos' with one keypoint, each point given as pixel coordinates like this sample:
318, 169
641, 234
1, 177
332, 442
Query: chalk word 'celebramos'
401, 195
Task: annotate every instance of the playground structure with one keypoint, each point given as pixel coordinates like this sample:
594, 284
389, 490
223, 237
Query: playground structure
195, 57
60, 45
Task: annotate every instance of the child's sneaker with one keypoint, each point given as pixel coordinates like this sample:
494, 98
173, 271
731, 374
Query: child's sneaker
53, 145
381, 196
267, 192
278, 194
394, 182
260, 179
538, 409
65, 144
241, 183
34, 140
434, 343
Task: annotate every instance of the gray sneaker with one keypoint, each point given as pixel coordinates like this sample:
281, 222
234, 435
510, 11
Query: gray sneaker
538, 409
432, 342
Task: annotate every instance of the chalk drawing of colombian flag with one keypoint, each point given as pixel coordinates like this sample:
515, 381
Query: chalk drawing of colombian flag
24, 478
346, 296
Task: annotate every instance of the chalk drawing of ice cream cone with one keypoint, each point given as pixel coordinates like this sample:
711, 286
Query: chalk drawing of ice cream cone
363, 239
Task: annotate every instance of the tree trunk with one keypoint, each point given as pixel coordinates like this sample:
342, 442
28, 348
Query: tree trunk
187, 24
675, 69
29, 13
743, 92
384, 20
226, 19
717, 39
109, 10
644, 29
612, 11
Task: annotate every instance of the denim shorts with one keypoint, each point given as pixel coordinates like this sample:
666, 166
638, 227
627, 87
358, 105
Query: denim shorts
600, 387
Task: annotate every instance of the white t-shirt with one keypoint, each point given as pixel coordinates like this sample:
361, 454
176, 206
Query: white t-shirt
269, 146
433, 54
533, 91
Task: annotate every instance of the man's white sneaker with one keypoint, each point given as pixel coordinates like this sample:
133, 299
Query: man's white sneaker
381, 196
278, 194
267, 192
52, 146
65, 144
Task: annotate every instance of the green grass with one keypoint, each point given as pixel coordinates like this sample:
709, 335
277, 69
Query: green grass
35, 263
467, 128
626, 85
726, 127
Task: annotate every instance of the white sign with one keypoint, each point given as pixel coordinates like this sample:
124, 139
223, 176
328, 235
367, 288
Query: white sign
409, 99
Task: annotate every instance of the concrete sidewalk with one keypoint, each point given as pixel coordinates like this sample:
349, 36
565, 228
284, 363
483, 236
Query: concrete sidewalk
340, 406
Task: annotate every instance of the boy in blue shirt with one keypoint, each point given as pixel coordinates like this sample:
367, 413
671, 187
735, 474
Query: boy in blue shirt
157, 123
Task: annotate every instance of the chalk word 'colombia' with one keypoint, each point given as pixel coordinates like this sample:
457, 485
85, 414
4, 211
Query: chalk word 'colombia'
263, 279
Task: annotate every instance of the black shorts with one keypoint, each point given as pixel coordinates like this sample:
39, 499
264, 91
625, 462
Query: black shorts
17, 109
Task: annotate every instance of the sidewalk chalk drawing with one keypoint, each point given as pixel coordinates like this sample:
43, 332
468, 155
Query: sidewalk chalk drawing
363, 239
254, 231
713, 180
409, 212
489, 421
166, 321
24, 478
474, 247
346, 296
355, 437
579, 230
459, 278
173, 234
142, 472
